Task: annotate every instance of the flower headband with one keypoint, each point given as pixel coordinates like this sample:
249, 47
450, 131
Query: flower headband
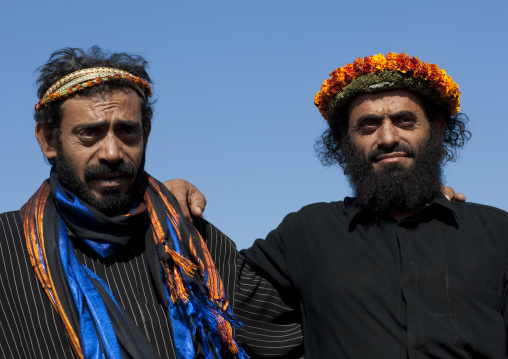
82, 79
391, 72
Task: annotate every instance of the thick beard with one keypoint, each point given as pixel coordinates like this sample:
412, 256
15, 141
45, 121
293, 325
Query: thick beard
112, 202
394, 187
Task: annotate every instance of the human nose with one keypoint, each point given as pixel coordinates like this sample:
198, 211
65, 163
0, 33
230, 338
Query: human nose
388, 135
111, 149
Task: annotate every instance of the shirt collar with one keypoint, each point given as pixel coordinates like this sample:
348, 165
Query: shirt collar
440, 206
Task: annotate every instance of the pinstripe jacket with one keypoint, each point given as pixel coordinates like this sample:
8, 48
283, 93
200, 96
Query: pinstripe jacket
30, 328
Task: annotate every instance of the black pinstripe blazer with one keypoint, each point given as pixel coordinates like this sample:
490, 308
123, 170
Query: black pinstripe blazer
30, 328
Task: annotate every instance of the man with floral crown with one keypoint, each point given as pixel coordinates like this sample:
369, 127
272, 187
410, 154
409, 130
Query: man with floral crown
397, 271
100, 262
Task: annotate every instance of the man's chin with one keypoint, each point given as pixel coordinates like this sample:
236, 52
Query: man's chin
391, 168
111, 202
100, 193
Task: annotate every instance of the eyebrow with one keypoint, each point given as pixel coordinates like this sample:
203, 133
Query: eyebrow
394, 116
368, 117
98, 125
403, 114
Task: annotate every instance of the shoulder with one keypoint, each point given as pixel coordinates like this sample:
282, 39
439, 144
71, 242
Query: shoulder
12, 236
319, 208
10, 215
221, 247
10, 224
318, 213
471, 209
482, 220
222, 251
323, 207
211, 234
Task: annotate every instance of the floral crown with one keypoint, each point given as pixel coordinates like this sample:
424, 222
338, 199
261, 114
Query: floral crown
391, 72
79, 80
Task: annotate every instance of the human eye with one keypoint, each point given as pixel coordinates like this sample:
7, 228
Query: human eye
88, 133
367, 125
406, 122
129, 132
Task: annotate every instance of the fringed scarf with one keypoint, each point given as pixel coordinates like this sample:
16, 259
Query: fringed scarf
180, 266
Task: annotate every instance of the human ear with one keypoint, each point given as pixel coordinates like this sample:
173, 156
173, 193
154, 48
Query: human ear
46, 140
148, 129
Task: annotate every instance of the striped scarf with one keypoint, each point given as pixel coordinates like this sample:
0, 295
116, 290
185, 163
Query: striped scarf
180, 265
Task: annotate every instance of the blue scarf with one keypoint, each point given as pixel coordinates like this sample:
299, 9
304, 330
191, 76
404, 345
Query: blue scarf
179, 262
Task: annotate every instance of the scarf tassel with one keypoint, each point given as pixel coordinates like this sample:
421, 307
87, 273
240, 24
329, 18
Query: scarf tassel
210, 318
189, 303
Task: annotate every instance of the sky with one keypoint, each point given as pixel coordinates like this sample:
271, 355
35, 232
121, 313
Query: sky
235, 81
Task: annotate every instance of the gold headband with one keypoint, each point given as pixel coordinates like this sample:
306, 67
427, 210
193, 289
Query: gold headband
81, 79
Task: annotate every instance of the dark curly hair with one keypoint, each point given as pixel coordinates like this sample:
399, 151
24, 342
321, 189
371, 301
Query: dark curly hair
328, 146
68, 60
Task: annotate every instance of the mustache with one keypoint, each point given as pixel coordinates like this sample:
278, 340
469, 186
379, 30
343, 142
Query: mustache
106, 168
375, 153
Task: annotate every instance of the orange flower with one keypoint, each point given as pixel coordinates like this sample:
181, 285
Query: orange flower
404, 63
412, 66
358, 66
391, 61
420, 70
433, 72
349, 73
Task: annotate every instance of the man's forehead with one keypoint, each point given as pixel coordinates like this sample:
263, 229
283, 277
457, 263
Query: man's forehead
105, 94
385, 101
122, 102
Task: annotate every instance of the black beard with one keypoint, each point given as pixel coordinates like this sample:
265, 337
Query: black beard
394, 187
112, 202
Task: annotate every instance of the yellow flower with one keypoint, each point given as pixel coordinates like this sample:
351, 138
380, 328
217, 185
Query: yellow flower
378, 63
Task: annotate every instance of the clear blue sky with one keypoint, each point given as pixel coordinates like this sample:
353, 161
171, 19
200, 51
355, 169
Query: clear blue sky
235, 82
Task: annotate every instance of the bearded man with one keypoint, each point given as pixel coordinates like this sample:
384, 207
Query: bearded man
397, 271
100, 262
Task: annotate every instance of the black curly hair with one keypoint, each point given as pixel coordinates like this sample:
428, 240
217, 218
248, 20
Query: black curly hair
328, 145
68, 60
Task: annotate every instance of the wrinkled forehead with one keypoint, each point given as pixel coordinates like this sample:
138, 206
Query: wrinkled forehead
392, 100
118, 104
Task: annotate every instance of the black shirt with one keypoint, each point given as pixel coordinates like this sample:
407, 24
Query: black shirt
432, 285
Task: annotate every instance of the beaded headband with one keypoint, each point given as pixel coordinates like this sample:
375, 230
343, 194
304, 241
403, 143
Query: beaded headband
82, 79
391, 72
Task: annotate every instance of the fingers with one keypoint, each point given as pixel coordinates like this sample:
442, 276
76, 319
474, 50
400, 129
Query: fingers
185, 209
198, 204
450, 194
189, 198
460, 197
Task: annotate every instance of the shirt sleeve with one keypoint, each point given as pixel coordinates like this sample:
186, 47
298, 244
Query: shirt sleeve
268, 312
